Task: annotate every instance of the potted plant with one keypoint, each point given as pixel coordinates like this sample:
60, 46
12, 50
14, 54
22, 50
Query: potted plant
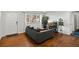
61, 24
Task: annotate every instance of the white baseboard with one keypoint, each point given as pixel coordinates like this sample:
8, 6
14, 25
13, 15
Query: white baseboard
21, 32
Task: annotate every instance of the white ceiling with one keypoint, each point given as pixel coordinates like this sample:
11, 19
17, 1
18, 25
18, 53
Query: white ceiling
44, 12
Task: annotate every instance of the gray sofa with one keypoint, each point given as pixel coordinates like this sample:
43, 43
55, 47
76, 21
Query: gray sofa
38, 36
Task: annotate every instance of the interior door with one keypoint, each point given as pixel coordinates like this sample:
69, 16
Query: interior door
11, 23
77, 21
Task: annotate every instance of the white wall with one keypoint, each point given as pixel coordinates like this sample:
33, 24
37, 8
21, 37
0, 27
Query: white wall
20, 18
0, 24
36, 24
21, 22
55, 15
65, 15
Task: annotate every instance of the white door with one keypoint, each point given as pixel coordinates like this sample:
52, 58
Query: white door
11, 23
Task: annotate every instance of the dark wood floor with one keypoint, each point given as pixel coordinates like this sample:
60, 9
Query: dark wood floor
22, 40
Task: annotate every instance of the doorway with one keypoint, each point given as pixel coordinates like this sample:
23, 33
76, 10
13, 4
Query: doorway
76, 23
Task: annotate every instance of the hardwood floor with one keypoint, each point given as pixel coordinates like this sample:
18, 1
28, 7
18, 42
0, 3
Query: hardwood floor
22, 40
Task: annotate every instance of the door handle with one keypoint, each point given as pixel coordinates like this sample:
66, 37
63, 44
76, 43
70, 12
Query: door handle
16, 22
